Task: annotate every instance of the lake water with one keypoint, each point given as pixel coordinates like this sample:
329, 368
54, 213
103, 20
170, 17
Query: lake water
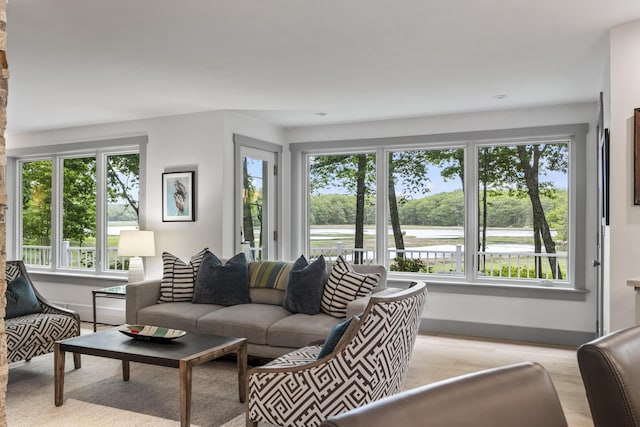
439, 233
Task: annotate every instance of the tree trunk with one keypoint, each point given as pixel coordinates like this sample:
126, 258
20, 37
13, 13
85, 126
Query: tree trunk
361, 190
4, 76
531, 171
394, 215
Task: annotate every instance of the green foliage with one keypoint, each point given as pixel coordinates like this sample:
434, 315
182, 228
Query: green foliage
413, 265
121, 213
78, 198
36, 202
332, 209
512, 271
445, 210
123, 180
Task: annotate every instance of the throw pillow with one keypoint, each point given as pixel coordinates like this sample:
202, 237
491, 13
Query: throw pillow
345, 285
269, 274
21, 299
334, 337
178, 278
226, 284
306, 283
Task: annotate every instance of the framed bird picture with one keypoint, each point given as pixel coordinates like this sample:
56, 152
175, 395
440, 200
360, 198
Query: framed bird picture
178, 196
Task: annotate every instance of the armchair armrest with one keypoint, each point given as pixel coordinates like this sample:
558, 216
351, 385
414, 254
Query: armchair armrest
358, 305
140, 295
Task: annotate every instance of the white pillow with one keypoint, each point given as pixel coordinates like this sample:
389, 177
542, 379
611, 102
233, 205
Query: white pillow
178, 278
345, 285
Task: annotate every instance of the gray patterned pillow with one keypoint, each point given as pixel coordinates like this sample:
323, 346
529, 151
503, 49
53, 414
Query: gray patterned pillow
178, 278
345, 285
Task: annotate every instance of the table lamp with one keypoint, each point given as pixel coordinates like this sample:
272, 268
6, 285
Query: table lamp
136, 244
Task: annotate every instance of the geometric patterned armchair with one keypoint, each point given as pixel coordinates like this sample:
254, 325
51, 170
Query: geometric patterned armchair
370, 362
34, 334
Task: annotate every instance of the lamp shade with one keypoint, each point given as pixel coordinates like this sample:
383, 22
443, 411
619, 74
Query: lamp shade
136, 243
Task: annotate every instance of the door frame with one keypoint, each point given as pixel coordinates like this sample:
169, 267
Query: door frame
241, 144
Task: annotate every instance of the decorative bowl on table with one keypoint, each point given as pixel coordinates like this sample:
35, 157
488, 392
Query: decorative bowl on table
151, 333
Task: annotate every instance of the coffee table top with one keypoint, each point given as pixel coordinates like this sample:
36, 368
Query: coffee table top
114, 344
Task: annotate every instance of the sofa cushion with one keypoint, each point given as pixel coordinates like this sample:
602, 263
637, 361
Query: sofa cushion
266, 296
178, 315
299, 330
178, 277
250, 321
269, 274
306, 283
21, 299
345, 285
224, 284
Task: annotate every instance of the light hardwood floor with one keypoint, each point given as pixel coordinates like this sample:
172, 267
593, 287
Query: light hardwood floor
437, 357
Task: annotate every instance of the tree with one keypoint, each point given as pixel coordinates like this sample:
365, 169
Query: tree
79, 201
123, 180
36, 202
518, 168
355, 173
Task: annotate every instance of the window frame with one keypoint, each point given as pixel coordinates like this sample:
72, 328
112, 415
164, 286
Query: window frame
573, 134
57, 154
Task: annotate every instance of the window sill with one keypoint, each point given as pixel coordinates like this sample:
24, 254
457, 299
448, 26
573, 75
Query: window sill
77, 278
565, 293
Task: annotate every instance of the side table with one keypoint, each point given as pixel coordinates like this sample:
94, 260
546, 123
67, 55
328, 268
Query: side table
117, 292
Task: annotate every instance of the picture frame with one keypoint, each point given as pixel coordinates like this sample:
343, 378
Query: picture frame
178, 196
636, 156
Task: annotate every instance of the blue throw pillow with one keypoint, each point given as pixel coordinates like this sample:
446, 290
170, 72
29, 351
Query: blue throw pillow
305, 286
21, 299
226, 284
334, 337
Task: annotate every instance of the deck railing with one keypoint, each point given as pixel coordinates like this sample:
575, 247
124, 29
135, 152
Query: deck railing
511, 265
81, 257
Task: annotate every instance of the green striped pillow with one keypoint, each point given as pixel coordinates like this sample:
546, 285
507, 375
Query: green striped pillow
269, 274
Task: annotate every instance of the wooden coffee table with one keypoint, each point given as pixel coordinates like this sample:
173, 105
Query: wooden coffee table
183, 353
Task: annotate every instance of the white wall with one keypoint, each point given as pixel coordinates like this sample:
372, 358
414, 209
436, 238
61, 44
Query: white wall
625, 217
202, 142
512, 311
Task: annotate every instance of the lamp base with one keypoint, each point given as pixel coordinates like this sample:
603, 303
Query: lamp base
136, 269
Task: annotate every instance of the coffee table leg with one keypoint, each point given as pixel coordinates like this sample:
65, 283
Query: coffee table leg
241, 355
125, 370
185, 393
58, 374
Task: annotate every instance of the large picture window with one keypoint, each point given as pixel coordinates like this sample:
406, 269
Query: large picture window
74, 207
483, 211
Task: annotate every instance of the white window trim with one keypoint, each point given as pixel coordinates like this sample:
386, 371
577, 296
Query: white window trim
99, 149
574, 134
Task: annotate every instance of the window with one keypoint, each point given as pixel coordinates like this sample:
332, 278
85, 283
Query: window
74, 206
342, 206
499, 208
523, 211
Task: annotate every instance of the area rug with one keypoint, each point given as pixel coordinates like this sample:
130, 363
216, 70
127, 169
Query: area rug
96, 395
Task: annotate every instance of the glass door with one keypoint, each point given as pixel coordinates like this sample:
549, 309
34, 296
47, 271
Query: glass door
256, 216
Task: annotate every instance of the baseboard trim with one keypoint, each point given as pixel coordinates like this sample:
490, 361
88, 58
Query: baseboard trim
506, 332
105, 315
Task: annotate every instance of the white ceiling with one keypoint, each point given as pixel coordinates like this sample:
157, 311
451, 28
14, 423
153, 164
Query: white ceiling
76, 62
